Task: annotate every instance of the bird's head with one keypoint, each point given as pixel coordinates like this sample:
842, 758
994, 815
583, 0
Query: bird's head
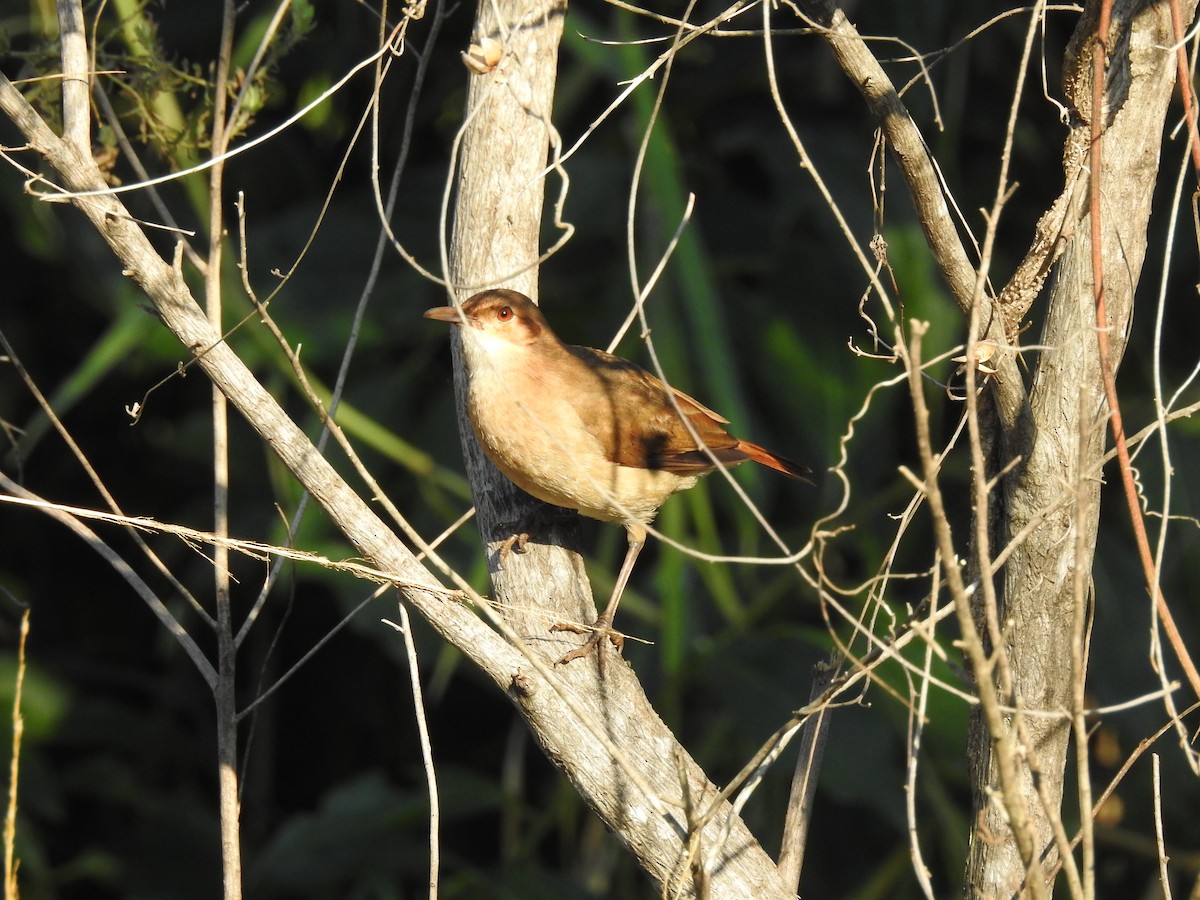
495, 321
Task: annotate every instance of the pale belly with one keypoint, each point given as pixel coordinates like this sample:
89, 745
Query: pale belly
551, 456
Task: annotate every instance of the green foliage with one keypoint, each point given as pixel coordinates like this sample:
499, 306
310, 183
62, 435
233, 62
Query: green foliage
43, 704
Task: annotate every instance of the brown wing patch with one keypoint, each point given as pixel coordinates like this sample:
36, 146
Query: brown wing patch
629, 412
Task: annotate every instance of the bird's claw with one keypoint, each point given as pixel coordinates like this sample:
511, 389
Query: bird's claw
523, 529
513, 542
599, 633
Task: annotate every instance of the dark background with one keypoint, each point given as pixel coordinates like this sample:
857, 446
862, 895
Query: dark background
754, 315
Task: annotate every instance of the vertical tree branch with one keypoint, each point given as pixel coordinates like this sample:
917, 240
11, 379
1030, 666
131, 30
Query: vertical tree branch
1013, 808
76, 85
798, 820
18, 729
414, 680
495, 242
1107, 364
1037, 605
1038, 599
225, 694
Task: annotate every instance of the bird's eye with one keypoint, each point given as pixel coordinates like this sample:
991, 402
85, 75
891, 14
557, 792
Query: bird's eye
504, 313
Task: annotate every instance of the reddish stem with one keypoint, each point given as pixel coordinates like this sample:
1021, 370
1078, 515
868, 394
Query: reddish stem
1102, 326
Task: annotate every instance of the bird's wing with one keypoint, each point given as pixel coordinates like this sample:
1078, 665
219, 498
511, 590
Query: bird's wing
630, 413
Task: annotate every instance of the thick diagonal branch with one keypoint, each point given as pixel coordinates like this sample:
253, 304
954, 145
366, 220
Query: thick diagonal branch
929, 201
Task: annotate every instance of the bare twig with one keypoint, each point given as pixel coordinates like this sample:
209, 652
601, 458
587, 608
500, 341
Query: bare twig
916, 727
94, 476
414, 677
798, 820
225, 694
1160, 843
18, 729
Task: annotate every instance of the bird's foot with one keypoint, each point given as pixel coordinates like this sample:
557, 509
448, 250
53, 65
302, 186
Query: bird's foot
515, 541
524, 528
600, 632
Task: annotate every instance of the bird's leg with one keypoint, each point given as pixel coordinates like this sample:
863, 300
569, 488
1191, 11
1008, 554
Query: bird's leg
602, 629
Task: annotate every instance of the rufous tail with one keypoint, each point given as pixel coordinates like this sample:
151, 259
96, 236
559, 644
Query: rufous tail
773, 461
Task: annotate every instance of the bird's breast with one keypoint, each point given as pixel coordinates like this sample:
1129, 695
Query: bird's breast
540, 442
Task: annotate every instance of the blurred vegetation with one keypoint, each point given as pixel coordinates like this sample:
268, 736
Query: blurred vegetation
753, 316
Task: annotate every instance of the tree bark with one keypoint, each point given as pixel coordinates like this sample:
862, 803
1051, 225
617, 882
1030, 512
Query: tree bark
495, 242
1061, 456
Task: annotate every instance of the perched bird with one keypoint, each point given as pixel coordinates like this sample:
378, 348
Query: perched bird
585, 430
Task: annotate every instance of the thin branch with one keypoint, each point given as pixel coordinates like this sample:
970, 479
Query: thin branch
225, 694
72, 521
916, 726
252, 549
981, 482
414, 676
18, 730
1081, 628
94, 476
797, 822
1164, 878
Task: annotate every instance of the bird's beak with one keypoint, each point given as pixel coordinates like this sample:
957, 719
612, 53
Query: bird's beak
449, 314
